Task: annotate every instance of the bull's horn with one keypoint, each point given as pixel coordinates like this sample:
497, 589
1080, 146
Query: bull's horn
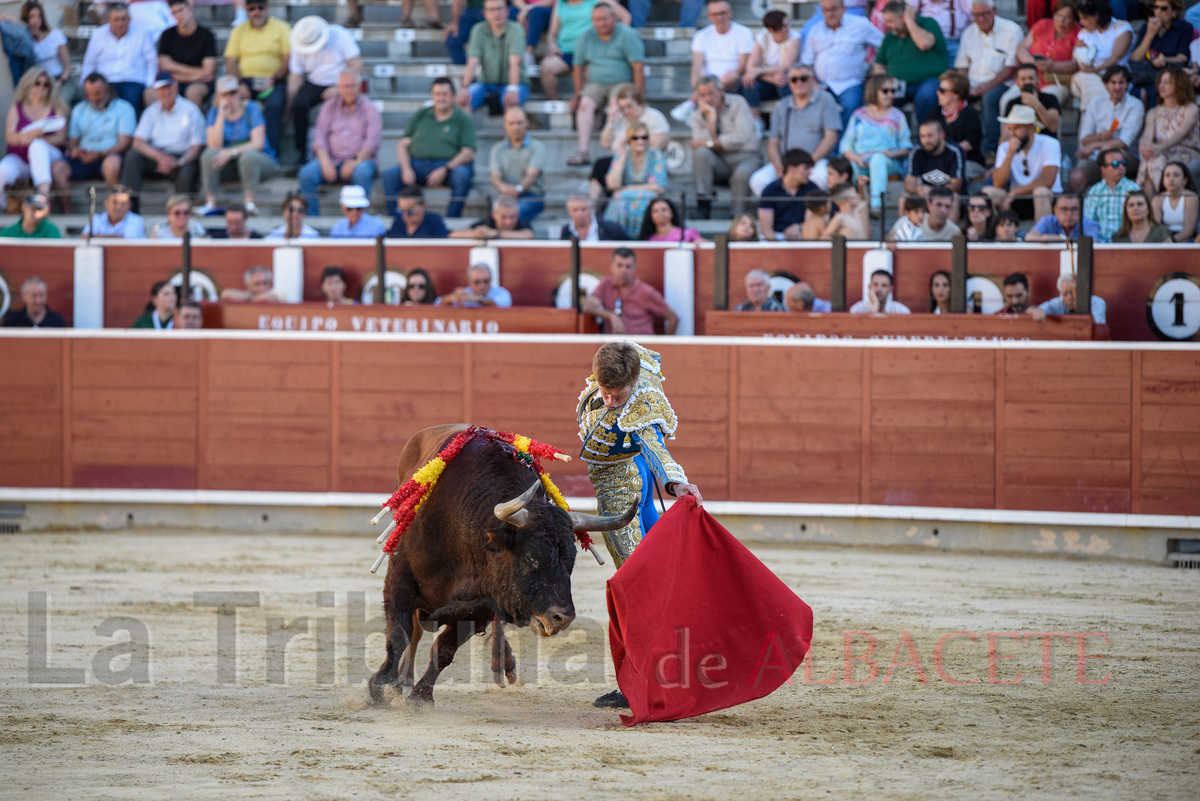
582, 522
514, 511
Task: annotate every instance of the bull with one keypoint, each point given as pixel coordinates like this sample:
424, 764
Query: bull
486, 545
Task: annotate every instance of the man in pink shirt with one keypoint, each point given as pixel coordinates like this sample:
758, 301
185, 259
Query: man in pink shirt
345, 141
626, 304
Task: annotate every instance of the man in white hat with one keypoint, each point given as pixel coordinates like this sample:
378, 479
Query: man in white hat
320, 52
1027, 166
355, 222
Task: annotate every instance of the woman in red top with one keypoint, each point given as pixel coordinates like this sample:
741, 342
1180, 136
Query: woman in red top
1050, 44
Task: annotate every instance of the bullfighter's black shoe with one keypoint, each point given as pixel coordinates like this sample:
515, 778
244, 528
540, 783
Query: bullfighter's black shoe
613, 700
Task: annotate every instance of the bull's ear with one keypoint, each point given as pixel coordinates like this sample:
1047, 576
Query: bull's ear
496, 541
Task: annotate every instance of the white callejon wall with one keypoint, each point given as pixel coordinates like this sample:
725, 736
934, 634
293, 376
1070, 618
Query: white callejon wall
89, 287
679, 288
288, 269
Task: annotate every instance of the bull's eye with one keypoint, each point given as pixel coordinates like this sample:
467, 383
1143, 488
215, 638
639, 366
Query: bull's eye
532, 562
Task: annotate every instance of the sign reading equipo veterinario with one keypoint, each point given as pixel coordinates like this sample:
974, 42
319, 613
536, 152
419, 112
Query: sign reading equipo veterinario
375, 319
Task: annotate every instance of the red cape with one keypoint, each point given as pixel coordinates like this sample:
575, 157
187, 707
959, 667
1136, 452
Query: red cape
697, 623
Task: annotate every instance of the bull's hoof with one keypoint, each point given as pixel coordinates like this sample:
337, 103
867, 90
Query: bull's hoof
420, 698
376, 693
511, 676
498, 678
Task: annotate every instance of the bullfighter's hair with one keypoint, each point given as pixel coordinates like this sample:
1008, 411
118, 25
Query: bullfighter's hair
617, 365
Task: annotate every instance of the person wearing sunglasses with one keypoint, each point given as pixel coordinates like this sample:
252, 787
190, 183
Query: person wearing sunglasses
876, 139
808, 119
1105, 200
1065, 223
295, 210
1165, 43
1027, 167
179, 219
419, 289
34, 131
637, 176
1114, 120
412, 220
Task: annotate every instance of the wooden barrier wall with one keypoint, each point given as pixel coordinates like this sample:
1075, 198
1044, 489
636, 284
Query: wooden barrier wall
1088, 428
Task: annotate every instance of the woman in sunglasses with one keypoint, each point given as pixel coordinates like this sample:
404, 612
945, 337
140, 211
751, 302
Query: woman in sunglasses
179, 219
295, 210
876, 138
419, 288
34, 131
1170, 132
980, 219
1166, 42
638, 175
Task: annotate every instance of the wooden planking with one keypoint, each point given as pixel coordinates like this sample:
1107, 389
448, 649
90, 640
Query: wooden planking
1053, 416
31, 412
1086, 444
270, 375
1167, 433
958, 494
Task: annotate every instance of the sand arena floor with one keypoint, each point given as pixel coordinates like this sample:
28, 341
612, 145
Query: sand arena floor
292, 725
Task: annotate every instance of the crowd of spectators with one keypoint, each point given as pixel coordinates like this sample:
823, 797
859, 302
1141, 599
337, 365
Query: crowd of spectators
957, 104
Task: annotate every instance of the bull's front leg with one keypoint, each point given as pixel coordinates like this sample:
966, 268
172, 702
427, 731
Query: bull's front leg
502, 656
398, 611
410, 657
456, 633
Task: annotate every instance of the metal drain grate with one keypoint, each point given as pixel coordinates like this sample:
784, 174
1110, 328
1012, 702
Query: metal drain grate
10, 528
1188, 561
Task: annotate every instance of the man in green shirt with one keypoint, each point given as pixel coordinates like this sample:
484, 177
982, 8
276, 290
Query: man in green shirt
495, 60
613, 54
437, 149
33, 225
913, 51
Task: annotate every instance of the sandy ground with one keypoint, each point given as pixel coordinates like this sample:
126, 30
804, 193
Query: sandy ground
307, 734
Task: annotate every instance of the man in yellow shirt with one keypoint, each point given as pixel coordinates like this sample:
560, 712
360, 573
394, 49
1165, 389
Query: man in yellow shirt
257, 53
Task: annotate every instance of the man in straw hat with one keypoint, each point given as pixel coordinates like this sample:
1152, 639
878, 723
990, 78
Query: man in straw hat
320, 53
1027, 165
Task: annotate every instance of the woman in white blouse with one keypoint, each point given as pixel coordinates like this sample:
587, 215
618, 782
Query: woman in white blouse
1103, 42
776, 47
49, 47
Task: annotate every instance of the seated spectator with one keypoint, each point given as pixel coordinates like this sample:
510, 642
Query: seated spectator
1165, 44
355, 222
781, 208
724, 143
1104, 42
35, 314
937, 226
807, 119
495, 64
189, 52
100, 133
637, 175
167, 142
939, 292
662, 224
437, 149
1050, 45
516, 164
235, 224
758, 294
626, 304
259, 281
124, 54
979, 219
910, 227
189, 316
988, 56
179, 219
50, 51
584, 225
568, 21
1007, 225
237, 145
1024, 92
1172, 132
1064, 223
880, 295
333, 287
1138, 223
35, 209
257, 54
1016, 294
34, 130
412, 220
627, 106
721, 49
744, 228
504, 222
776, 48
1176, 203
953, 18
876, 138
936, 164
1105, 200
295, 209
836, 50
818, 211
1027, 165
1112, 121
159, 313
838, 170
478, 292
116, 220
914, 51
320, 53
853, 219
1065, 302
345, 141
459, 30
419, 289
152, 16
961, 122
801, 298
612, 55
